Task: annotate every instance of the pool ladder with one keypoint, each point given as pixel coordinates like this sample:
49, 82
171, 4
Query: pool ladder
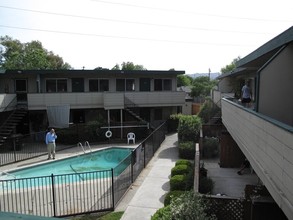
87, 144
8, 174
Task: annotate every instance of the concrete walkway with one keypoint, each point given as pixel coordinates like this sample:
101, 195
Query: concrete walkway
148, 192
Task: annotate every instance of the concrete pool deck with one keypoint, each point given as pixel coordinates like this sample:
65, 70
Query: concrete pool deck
74, 151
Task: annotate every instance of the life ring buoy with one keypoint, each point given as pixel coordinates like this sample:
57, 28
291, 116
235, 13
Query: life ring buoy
108, 134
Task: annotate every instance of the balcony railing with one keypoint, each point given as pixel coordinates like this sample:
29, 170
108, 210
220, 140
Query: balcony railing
107, 100
268, 145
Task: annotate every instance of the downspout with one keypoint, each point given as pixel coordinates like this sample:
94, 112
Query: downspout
258, 75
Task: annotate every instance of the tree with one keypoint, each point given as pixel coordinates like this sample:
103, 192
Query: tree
128, 66
32, 55
184, 80
231, 66
202, 86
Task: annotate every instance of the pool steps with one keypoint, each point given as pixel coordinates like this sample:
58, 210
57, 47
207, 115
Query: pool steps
87, 144
8, 174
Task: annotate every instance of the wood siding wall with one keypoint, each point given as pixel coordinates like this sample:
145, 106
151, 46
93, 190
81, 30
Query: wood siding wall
268, 147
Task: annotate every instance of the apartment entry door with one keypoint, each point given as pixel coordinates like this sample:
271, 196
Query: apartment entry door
21, 91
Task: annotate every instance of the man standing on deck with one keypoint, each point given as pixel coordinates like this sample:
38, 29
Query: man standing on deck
51, 145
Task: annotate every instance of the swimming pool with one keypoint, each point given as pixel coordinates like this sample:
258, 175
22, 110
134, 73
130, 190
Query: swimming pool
71, 169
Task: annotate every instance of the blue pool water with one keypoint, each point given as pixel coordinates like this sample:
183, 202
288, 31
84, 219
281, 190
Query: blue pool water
81, 165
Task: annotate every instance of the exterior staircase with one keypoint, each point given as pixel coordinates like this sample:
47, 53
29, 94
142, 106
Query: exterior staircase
9, 126
128, 105
135, 115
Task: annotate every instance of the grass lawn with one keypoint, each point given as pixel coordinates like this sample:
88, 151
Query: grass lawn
109, 216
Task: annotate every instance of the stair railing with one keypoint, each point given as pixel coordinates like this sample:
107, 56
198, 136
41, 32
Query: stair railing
11, 105
129, 103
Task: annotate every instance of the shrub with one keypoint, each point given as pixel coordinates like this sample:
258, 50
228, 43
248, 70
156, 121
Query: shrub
180, 170
206, 185
191, 206
162, 214
208, 110
173, 122
188, 127
210, 147
171, 195
187, 150
188, 205
178, 182
183, 162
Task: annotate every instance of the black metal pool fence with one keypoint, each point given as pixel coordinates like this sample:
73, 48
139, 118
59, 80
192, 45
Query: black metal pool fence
94, 192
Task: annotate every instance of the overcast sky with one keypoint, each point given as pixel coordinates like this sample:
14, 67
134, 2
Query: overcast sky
189, 35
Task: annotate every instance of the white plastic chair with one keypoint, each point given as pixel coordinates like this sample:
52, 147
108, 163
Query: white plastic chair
131, 137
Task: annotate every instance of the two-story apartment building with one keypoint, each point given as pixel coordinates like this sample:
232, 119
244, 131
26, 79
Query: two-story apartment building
264, 130
60, 97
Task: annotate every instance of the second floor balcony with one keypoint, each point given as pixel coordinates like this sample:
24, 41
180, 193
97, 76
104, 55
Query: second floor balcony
268, 145
106, 100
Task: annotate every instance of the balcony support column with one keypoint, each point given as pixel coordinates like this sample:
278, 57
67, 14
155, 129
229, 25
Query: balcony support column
121, 122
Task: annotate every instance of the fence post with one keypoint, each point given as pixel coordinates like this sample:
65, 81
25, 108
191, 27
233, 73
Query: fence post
143, 147
196, 168
113, 189
132, 164
53, 195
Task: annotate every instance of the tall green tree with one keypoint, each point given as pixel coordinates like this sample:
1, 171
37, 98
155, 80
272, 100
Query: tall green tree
231, 66
32, 55
184, 80
128, 66
202, 86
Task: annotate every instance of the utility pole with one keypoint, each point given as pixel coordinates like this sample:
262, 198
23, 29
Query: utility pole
209, 74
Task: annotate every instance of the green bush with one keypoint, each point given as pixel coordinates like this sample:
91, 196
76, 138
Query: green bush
189, 181
186, 206
172, 123
188, 127
206, 185
171, 195
162, 214
183, 162
191, 206
210, 147
187, 150
208, 110
180, 170
178, 182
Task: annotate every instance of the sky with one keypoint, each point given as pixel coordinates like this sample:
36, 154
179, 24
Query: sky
190, 35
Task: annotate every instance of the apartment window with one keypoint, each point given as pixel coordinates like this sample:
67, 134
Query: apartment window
145, 84
77, 84
158, 85
163, 85
167, 84
104, 85
56, 85
93, 85
120, 85
125, 85
130, 85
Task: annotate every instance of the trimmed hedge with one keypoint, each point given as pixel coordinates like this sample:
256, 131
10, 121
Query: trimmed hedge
180, 170
171, 195
187, 150
178, 182
162, 214
183, 162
